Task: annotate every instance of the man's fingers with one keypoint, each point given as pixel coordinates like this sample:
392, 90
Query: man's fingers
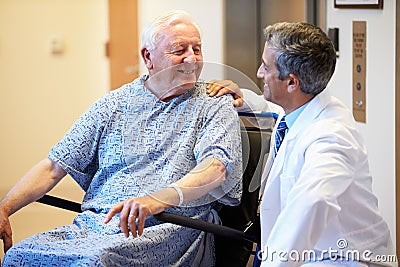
111, 213
212, 89
132, 223
214, 86
7, 242
222, 87
238, 102
223, 91
144, 212
218, 91
7, 245
131, 211
123, 218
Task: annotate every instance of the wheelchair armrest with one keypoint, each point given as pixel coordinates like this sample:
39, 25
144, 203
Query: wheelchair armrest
60, 203
205, 226
165, 217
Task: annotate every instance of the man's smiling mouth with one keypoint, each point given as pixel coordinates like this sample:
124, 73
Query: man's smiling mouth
186, 71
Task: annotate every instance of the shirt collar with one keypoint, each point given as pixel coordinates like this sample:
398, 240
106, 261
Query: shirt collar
292, 116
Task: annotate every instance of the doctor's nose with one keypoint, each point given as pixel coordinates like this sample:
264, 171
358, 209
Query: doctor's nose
260, 72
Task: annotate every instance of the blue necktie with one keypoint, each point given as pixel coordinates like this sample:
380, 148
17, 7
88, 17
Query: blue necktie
280, 134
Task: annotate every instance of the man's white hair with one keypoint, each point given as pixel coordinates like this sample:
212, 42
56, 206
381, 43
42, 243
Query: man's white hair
151, 33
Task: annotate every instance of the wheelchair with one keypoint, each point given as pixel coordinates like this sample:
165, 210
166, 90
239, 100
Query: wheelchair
237, 238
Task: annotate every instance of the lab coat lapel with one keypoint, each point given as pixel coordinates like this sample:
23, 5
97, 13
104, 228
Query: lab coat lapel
307, 116
271, 157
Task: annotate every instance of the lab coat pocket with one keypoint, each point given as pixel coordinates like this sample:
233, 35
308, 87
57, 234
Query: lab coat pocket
287, 183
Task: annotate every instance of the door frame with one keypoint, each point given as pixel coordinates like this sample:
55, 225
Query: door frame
122, 47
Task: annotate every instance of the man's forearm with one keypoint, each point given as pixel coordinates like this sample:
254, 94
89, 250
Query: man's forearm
33, 185
205, 177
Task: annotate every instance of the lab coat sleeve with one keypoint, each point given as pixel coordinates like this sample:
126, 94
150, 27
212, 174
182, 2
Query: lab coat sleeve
256, 103
324, 172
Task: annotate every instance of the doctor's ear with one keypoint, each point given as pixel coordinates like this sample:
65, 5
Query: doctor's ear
146, 57
293, 83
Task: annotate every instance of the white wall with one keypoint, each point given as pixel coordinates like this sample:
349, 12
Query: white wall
42, 94
380, 82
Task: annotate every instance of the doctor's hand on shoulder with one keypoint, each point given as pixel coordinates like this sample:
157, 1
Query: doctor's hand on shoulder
222, 87
245, 100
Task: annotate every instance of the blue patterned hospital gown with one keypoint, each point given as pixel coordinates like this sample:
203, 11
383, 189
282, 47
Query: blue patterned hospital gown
129, 144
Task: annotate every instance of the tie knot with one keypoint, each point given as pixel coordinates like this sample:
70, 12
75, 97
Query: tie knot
282, 126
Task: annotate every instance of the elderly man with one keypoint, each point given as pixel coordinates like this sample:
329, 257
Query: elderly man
158, 143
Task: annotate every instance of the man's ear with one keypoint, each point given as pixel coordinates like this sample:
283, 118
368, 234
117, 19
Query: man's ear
146, 58
293, 83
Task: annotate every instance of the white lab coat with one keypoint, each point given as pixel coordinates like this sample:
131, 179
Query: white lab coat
317, 192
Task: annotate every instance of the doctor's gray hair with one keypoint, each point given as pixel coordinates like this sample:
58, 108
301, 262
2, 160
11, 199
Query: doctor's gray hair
152, 32
304, 50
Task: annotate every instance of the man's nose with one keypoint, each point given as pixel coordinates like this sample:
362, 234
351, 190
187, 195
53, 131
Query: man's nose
190, 56
260, 73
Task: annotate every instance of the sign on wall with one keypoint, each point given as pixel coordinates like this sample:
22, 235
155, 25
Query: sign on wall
374, 4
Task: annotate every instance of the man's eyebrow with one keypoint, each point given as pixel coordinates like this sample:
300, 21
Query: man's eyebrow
263, 62
178, 44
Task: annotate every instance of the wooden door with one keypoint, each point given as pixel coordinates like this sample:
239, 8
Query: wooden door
122, 47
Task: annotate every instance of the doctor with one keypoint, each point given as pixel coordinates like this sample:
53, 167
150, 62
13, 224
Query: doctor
317, 205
